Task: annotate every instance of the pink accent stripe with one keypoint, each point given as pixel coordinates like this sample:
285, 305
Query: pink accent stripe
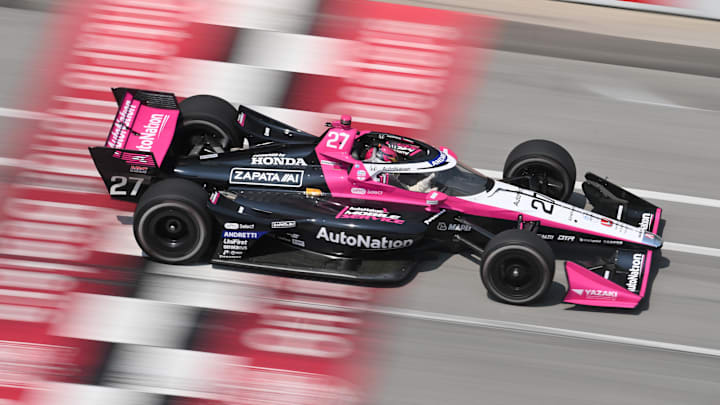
656, 223
342, 212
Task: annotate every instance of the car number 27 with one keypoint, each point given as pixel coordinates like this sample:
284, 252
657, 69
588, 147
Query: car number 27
542, 203
336, 140
120, 185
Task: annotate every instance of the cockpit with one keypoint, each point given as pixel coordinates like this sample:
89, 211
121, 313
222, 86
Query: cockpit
415, 166
457, 181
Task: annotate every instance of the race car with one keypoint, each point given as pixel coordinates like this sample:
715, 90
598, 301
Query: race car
235, 187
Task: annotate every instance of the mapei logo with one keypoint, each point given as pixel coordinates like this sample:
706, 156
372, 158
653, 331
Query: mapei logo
596, 294
266, 177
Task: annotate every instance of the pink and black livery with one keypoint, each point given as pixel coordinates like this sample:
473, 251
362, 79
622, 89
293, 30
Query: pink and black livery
238, 188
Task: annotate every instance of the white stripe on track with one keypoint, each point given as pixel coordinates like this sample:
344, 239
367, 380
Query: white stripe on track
653, 195
543, 330
697, 250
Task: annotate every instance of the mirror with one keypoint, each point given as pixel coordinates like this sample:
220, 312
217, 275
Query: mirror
435, 197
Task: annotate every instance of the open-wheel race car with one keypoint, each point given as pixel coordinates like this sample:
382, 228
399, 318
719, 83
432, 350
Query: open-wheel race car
235, 187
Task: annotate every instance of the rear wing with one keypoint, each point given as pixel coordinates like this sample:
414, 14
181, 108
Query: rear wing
145, 122
259, 128
138, 142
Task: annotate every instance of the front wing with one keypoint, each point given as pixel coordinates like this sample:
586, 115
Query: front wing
619, 281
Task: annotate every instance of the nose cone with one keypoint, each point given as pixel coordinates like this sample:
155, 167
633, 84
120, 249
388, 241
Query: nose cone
652, 240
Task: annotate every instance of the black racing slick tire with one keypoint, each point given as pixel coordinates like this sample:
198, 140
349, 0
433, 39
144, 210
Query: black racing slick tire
208, 126
542, 166
517, 267
171, 223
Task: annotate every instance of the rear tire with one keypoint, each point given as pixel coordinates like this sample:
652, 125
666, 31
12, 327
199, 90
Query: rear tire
549, 167
171, 223
208, 126
517, 267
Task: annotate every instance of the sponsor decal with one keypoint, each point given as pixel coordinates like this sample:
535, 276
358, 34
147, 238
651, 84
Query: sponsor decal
370, 214
153, 128
612, 242
124, 119
361, 175
138, 169
243, 234
241, 119
214, 197
240, 209
362, 241
546, 236
266, 177
434, 217
586, 240
276, 159
313, 192
635, 270
298, 242
402, 148
209, 156
440, 159
328, 162
517, 199
358, 190
282, 224
649, 236
233, 226
442, 226
606, 222
566, 238
596, 294
646, 221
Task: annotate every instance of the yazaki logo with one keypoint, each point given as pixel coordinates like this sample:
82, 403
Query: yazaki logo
596, 294
606, 222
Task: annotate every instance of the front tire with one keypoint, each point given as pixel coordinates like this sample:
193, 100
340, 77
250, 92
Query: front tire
208, 126
171, 224
517, 267
543, 166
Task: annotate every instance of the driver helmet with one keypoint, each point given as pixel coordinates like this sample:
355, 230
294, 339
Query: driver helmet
381, 154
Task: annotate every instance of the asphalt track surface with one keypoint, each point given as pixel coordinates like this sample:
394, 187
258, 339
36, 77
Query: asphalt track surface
445, 341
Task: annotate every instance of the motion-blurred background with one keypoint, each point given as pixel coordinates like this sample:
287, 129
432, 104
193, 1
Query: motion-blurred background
630, 90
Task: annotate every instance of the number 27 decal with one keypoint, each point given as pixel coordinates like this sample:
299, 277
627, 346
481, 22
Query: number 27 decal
119, 184
539, 203
334, 137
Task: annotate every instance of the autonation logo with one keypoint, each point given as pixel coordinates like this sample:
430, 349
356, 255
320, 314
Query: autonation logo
362, 241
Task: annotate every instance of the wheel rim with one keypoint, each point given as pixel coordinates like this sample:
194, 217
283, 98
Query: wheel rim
515, 275
203, 138
171, 232
543, 178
